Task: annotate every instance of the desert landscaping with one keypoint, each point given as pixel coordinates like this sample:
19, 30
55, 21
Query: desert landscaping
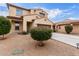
30, 32
24, 45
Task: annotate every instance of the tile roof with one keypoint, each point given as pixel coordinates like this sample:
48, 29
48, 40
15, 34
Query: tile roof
68, 21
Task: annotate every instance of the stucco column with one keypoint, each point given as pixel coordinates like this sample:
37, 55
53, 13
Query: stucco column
51, 26
24, 26
12, 27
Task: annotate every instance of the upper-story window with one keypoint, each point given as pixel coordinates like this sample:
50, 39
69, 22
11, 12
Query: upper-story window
18, 12
42, 14
34, 10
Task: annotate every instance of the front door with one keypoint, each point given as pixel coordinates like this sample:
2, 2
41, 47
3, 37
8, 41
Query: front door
17, 26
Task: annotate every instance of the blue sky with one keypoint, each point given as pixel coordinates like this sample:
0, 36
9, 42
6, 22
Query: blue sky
56, 11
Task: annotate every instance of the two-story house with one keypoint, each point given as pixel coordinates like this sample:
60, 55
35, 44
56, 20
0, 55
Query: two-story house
23, 19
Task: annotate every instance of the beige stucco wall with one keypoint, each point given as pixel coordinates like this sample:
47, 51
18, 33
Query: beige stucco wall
61, 29
21, 27
32, 12
26, 12
13, 26
24, 25
29, 16
44, 21
12, 11
75, 29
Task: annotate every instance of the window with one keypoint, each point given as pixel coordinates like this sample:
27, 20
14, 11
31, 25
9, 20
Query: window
42, 14
34, 10
16, 26
18, 12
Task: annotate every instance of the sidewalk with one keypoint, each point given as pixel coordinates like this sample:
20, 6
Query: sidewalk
68, 39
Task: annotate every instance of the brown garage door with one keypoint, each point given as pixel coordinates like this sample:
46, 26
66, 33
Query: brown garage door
42, 25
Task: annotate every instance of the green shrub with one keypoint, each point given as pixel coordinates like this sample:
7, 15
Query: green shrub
41, 34
68, 29
5, 26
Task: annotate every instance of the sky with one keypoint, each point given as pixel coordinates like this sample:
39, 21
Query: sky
56, 11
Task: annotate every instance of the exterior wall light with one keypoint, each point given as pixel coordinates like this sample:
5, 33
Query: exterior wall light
71, 24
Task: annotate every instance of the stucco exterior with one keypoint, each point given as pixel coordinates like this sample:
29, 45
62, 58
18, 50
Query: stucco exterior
60, 27
28, 19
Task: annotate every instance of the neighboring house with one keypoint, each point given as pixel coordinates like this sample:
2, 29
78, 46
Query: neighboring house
23, 19
60, 27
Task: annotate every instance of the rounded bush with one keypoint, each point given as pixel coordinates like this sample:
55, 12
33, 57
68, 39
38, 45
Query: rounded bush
5, 25
68, 29
41, 34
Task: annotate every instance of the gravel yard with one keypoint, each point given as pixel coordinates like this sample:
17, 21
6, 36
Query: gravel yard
24, 45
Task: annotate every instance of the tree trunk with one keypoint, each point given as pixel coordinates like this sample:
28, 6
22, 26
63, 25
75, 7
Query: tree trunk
40, 43
3, 36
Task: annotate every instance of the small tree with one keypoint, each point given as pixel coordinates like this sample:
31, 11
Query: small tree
68, 29
41, 34
5, 26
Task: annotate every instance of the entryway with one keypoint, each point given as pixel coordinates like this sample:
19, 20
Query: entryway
29, 25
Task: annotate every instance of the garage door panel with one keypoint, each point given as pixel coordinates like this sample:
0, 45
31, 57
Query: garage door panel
41, 25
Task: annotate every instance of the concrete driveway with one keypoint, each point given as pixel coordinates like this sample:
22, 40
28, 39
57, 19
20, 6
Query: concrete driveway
68, 39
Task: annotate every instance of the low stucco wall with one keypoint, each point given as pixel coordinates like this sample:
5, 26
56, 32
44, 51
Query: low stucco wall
61, 29
75, 29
